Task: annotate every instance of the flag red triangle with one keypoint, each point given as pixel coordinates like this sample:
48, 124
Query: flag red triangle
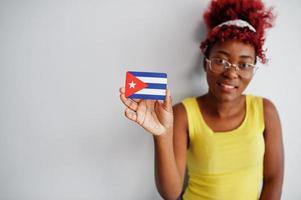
133, 84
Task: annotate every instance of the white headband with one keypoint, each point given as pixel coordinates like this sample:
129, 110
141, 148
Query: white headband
238, 23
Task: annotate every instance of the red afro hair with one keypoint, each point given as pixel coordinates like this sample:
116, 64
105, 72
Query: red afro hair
252, 11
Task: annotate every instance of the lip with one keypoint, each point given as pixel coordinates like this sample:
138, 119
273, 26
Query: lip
227, 87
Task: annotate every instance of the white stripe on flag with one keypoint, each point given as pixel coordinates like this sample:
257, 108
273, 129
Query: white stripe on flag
151, 92
152, 80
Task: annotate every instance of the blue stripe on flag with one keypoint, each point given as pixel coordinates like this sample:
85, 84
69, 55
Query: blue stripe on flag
156, 86
147, 96
149, 74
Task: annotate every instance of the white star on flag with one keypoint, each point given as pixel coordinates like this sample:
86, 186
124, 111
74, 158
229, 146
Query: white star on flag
132, 84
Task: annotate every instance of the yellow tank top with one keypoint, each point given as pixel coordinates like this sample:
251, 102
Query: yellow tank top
225, 165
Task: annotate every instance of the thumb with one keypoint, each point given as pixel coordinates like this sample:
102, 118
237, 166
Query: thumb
167, 104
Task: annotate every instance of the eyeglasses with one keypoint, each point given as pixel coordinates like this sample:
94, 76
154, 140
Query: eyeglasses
219, 65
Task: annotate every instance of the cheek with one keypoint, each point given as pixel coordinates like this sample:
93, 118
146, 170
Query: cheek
245, 83
211, 80
210, 77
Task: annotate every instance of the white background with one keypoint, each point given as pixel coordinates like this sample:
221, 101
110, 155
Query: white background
63, 134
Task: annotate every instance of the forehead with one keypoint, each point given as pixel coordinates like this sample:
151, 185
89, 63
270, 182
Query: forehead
234, 49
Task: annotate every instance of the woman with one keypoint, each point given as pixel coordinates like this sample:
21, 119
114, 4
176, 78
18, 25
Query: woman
231, 143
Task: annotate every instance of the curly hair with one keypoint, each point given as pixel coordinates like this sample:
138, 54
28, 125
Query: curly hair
252, 11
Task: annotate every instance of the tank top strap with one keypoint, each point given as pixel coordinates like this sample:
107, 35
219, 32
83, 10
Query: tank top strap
194, 118
256, 113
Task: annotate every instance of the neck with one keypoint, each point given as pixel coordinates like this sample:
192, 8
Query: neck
220, 108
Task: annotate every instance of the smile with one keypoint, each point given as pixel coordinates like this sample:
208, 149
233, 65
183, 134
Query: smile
227, 87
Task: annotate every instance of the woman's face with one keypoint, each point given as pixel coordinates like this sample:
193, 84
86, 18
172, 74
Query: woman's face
229, 84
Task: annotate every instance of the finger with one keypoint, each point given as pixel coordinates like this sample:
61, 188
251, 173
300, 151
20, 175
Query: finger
122, 90
129, 102
150, 104
137, 100
130, 114
167, 104
141, 113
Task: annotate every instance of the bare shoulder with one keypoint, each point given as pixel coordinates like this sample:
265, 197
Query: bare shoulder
271, 118
179, 110
270, 110
180, 126
180, 115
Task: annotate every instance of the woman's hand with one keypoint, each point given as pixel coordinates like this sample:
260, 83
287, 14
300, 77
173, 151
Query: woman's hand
154, 116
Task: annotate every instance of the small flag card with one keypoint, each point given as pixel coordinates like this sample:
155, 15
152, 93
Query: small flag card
145, 85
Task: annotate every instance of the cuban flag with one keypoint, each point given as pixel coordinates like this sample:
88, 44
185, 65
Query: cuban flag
145, 85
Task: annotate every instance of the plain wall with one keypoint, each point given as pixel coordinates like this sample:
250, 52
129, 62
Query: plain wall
63, 134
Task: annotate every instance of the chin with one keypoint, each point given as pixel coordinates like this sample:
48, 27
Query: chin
226, 96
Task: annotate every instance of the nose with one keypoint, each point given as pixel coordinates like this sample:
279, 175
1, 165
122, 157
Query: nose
231, 72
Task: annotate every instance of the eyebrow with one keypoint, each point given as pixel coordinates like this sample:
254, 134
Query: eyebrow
227, 54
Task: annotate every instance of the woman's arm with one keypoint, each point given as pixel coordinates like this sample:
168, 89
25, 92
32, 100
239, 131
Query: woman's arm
274, 154
167, 124
170, 156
